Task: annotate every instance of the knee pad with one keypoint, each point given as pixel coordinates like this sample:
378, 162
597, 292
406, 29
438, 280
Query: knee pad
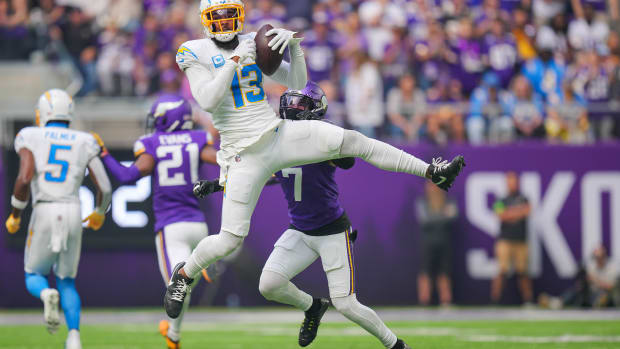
352, 143
270, 283
229, 242
345, 305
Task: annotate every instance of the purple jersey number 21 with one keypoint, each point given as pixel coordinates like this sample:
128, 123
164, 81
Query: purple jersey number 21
175, 162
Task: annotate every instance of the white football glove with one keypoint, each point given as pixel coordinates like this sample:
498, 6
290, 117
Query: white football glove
245, 50
282, 39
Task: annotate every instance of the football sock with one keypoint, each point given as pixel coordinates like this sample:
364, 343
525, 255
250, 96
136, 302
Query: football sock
70, 302
36, 283
174, 331
380, 154
209, 250
278, 288
366, 318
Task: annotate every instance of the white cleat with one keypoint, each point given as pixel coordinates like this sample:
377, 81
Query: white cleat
50, 299
73, 340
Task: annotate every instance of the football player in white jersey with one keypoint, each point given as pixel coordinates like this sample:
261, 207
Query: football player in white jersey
53, 163
255, 142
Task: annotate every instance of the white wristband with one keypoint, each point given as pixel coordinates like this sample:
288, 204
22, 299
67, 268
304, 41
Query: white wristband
18, 204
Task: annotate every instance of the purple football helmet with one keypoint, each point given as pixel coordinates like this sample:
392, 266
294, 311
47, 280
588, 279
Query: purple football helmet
170, 113
307, 104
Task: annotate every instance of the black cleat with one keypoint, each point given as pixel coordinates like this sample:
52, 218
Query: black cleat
400, 344
178, 288
310, 326
443, 173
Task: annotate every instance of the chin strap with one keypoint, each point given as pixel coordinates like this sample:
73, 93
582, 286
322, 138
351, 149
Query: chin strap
227, 45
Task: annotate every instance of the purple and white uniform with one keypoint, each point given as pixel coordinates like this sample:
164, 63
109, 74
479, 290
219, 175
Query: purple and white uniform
177, 158
179, 222
175, 149
313, 205
319, 228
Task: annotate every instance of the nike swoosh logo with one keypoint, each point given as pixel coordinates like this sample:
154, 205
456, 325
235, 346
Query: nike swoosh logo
441, 180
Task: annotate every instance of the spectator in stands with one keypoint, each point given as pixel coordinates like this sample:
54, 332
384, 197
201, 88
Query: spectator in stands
80, 40
353, 40
526, 109
398, 56
587, 31
364, 96
488, 119
544, 10
524, 33
115, 65
336, 111
406, 108
568, 121
468, 65
436, 215
500, 52
14, 33
445, 124
597, 285
554, 36
174, 25
511, 250
320, 45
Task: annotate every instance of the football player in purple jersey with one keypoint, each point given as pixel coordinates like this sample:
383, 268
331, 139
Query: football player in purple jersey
319, 227
172, 154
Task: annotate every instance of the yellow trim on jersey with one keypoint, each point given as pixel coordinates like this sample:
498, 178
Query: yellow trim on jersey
350, 257
29, 241
139, 152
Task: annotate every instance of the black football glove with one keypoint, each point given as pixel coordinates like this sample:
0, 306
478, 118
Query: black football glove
204, 188
443, 173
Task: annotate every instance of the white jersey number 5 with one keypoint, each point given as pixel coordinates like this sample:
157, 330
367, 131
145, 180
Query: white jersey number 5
298, 175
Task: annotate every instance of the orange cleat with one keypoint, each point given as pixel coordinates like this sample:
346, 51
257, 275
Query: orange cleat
163, 329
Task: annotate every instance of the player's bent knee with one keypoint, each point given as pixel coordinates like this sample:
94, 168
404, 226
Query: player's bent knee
345, 305
270, 283
229, 242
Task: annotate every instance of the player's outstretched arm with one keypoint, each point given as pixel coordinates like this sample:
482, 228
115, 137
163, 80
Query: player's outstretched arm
209, 89
294, 74
100, 178
21, 190
143, 166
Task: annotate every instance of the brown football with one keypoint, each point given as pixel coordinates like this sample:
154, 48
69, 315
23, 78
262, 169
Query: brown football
267, 60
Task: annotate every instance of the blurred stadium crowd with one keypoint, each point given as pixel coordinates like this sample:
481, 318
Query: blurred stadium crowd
410, 70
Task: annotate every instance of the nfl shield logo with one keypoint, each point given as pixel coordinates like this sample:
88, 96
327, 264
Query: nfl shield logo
237, 158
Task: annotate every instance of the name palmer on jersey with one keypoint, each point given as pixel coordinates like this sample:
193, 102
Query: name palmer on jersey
243, 115
61, 157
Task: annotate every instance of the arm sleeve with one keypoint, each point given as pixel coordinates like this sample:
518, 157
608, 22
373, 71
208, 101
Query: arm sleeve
123, 174
294, 75
97, 169
209, 90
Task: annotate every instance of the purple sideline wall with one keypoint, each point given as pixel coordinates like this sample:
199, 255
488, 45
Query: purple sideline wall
578, 184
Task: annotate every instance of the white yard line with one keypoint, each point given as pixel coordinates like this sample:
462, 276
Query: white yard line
279, 316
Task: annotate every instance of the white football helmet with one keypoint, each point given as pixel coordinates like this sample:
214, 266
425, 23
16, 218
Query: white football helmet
222, 19
54, 105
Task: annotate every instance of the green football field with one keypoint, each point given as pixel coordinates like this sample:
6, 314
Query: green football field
277, 328
449, 334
